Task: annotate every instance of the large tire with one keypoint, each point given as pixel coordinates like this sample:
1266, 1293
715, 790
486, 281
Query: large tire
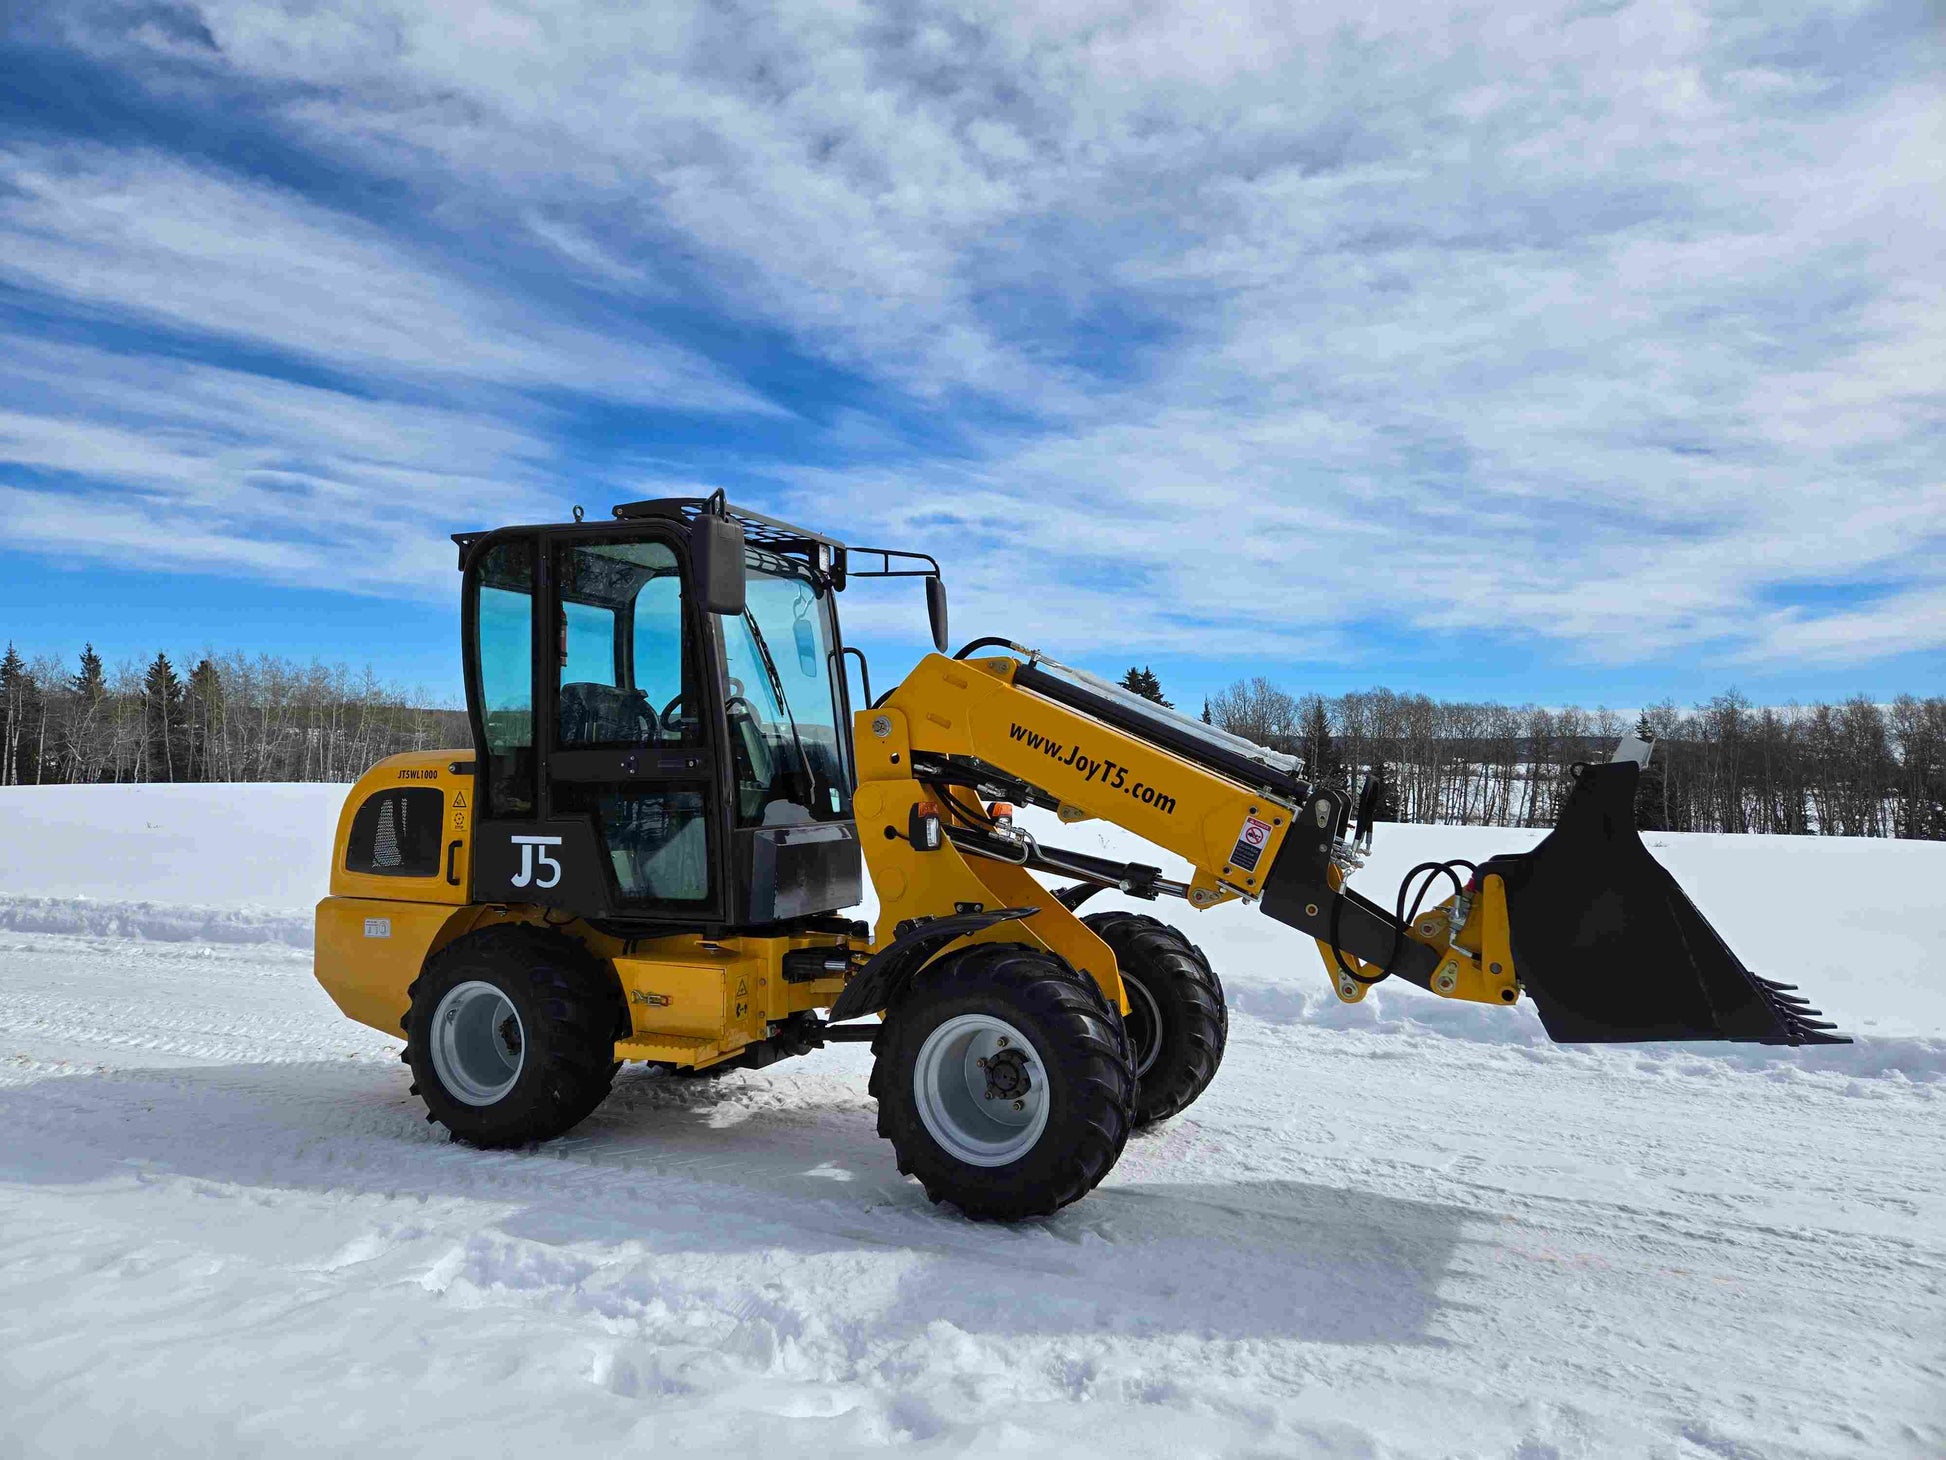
1053, 1039
1177, 1023
524, 1049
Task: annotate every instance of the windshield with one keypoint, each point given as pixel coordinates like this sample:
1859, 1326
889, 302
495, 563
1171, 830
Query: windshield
781, 700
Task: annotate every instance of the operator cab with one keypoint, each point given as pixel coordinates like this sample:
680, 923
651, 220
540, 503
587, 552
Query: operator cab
661, 717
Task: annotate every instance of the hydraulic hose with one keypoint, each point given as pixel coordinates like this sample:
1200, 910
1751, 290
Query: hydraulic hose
1402, 918
991, 643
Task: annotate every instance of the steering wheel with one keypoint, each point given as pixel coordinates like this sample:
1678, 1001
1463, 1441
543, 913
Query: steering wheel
670, 726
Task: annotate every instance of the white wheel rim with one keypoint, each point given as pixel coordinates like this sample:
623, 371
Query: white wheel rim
478, 1043
1142, 1001
981, 1089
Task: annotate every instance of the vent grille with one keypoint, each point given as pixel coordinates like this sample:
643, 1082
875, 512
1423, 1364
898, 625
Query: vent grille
396, 833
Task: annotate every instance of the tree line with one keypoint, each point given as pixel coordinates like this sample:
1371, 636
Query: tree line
230, 718
1853, 769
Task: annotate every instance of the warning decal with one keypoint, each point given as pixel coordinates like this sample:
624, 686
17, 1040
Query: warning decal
1251, 842
459, 800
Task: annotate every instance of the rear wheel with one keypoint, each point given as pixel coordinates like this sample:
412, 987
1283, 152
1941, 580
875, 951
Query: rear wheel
1003, 1082
1177, 1022
511, 1036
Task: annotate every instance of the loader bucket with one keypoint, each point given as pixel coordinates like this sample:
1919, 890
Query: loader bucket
1613, 951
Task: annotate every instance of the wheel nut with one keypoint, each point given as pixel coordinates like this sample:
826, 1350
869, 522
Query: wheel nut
981, 1062
1020, 1105
1004, 1041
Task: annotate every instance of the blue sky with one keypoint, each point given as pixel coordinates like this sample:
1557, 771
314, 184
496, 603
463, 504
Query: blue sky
1559, 352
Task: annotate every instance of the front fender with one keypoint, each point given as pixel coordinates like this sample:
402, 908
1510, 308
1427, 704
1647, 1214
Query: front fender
878, 984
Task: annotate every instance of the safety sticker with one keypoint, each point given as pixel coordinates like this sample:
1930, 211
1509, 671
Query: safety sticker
459, 800
378, 927
1251, 842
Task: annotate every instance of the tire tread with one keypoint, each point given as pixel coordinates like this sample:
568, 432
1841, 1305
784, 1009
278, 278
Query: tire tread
1094, 1058
1179, 975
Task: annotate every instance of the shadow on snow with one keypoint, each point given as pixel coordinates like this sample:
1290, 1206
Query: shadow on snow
752, 1164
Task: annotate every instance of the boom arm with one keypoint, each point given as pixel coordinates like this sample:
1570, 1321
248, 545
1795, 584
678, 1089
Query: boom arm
972, 722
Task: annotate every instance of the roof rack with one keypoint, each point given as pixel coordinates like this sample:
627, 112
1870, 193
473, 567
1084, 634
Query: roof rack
759, 529
771, 534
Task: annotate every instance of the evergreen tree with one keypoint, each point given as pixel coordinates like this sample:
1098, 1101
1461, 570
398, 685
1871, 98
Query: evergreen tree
16, 686
204, 713
91, 683
1649, 790
163, 720
83, 728
1322, 762
1388, 808
1206, 718
1144, 683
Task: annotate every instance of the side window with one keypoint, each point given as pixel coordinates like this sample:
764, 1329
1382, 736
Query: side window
622, 655
658, 655
505, 585
590, 647
396, 833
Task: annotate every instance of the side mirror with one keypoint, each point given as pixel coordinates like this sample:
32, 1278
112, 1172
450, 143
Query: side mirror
716, 559
936, 611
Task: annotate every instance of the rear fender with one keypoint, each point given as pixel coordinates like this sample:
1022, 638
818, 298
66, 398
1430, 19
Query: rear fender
369, 950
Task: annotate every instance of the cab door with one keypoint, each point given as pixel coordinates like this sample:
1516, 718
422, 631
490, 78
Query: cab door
601, 788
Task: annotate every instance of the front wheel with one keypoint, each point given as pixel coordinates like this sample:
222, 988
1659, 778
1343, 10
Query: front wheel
1178, 1023
1003, 1083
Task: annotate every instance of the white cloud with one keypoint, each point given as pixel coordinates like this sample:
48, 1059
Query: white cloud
172, 464
1244, 325
140, 236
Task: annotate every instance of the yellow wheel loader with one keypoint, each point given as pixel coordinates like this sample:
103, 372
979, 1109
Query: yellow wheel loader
669, 805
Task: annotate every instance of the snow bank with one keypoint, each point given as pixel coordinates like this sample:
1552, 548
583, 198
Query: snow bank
152, 921
263, 847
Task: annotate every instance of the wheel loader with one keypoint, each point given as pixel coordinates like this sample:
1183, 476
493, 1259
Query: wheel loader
650, 850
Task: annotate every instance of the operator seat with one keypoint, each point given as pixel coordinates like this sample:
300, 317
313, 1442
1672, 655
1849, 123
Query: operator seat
604, 714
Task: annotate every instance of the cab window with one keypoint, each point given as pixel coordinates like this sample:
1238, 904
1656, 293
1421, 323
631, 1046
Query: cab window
622, 647
781, 700
503, 617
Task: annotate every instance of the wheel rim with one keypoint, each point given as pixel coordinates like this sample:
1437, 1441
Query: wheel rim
478, 1044
1144, 1024
981, 1088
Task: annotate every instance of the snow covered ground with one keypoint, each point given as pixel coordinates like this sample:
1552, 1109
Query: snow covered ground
1409, 1229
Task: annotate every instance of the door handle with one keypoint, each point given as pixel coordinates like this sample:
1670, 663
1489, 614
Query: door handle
452, 862
864, 670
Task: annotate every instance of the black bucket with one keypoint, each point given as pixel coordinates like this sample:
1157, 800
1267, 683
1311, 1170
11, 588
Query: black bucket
1613, 951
